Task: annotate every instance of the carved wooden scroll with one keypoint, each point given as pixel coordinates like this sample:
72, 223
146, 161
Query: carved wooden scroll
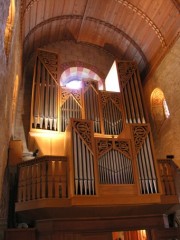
45, 92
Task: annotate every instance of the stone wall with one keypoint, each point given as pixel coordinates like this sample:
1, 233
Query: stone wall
166, 77
10, 70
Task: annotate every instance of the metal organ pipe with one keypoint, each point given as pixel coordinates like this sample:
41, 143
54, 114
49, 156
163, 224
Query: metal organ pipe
146, 169
75, 157
127, 107
37, 93
139, 97
51, 114
115, 168
133, 100
42, 97
69, 109
112, 119
47, 102
45, 99
83, 167
92, 108
55, 106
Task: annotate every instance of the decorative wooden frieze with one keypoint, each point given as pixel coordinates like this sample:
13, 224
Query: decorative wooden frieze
103, 146
125, 70
140, 133
90, 83
66, 93
124, 147
84, 129
50, 61
104, 97
115, 97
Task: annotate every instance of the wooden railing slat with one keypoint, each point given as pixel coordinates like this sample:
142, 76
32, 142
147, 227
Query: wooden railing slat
43, 177
167, 176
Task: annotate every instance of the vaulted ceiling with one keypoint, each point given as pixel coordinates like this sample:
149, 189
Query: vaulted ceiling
140, 30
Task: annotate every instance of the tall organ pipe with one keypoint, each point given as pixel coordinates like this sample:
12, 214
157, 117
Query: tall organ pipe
133, 100
42, 97
147, 173
47, 102
69, 109
51, 114
92, 108
115, 168
37, 94
83, 167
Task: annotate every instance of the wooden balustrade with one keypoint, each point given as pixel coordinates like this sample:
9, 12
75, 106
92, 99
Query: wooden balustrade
167, 170
43, 177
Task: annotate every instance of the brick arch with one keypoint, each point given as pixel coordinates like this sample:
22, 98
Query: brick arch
80, 64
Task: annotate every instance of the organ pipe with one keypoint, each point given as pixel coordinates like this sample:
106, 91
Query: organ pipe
133, 100
37, 89
45, 99
112, 119
69, 109
115, 168
92, 107
148, 179
83, 167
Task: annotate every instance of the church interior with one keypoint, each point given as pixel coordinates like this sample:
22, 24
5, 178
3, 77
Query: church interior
90, 119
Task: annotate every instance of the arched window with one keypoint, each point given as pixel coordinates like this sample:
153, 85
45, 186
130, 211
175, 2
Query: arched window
73, 76
159, 108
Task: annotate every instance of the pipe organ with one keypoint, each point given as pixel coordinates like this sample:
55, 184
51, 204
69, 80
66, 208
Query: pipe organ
108, 138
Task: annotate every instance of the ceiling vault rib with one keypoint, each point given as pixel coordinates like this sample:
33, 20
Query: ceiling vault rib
30, 4
144, 16
49, 21
82, 22
108, 25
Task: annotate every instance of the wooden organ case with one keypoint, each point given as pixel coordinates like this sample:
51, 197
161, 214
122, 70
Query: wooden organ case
107, 136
